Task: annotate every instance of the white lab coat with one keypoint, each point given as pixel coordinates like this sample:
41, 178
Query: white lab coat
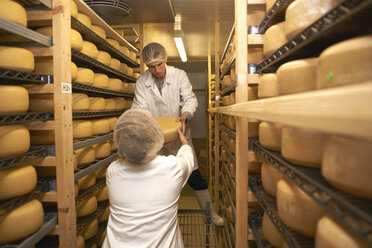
143, 201
177, 97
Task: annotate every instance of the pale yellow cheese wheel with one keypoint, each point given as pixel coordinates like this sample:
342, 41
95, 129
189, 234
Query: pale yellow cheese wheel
80, 102
332, 234
124, 87
113, 121
252, 93
76, 186
74, 71
124, 50
302, 146
274, 38
136, 75
297, 209
16, 58
74, 9
80, 241
41, 103
17, 181
226, 81
115, 64
84, 19
102, 150
82, 129
138, 61
101, 126
102, 238
110, 104
270, 177
76, 40
104, 57
100, 80
104, 215
346, 164
13, 99
101, 172
85, 76
115, 84
268, 85
297, 76
86, 207
255, 55
42, 137
270, 232
255, 17
91, 230
47, 30
346, 62
129, 71
129, 102
87, 181
14, 140
270, 135
21, 222
123, 68
14, 12
114, 43
131, 88
98, 30
85, 155
97, 104
132, 55
169, 126
102, 194
89, 49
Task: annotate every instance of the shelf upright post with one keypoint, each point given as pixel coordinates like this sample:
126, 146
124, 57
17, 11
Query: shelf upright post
141, 42
209, 120
63, 123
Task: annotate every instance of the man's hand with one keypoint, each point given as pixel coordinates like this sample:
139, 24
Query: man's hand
183, 138
182, 119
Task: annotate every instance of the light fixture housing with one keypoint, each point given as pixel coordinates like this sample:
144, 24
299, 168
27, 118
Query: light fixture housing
180, 47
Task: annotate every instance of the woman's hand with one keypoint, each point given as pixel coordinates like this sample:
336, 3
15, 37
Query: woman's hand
183, 138
182, 119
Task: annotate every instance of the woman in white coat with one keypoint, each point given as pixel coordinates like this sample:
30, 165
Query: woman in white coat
144, 188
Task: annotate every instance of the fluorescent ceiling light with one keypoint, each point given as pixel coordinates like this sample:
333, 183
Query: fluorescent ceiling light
180, 48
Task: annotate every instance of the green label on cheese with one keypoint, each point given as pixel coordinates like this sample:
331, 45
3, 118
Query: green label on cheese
285, 138
330, 76
263, 138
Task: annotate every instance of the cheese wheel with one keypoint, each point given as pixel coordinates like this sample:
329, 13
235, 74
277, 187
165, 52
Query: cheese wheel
13, 99
102, 150
86, 207
89, 49
113, 121
110, 104
80, 102
252, 93
42, 137
84, 19
232, 75
101, 172
255, 17
120, 103
74, 9
16, 58
104, 57
129, 102
270, 135
302, 146
76, 186
268, 86
169, 126
102, 194
114, 147
74, 71
80, 242
41, 103
115, 84
346, 165
100, 80
270, 177
296, 209
76, 40
226, 81
87, 181
123, 68
90, 230
270, 232
136, 75
47, 31
124, 87
104, 215
132, 55
255, 55
115, 64
131, 88
85, 76
274, 38
113, 43
14, 12
230, 214
297, 76
101, 126
332, 234
98, 30
85, 155
346, 62
82, 129
102, 238
14, 140
129, 71
17, 181
97, 104
124, 50
21, 222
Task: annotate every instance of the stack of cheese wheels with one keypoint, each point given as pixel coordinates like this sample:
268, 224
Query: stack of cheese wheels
104, 57
85, 20
129, 102
296, 209
80, 102
86, 207
89, 49
82, 129
104, 215
346, 164
297, 76
115, 64
274, 38
91, 230
41, 103
76, 38
87, 181
132, 55
16, 58
80, 241
169, 126
110, 104
14, 12
101, 126
123, 68
120, 103
124, 50
100, 80
74, 71
346, 62
268, 86
85, 76
115, 84
113, 121
13, 99
302, 146
270, 135
102, 150
124, 87
101, 172
332, 234
270, 177
99, 31
102, 194
129, 71
17, 181
113, 43
255, 17
97, 103
85, 155
270, 232
136, 75
14, 140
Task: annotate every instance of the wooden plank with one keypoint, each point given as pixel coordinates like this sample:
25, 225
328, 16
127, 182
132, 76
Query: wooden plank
41, 51
49, 161
210, 128
142, 44
255, 2
252, 198
55, 231
40, 89
255, 40
253, 79
40, 125
37, 18
49, 197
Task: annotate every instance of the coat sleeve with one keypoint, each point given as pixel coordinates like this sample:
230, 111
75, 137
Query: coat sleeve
189, 102
140, 100
185, 158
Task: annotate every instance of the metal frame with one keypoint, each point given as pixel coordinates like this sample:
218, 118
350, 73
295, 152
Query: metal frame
81, 143
27, 3
228, 66
18, 77
83, 171
229, 131
96, 114
97, 91
100, 183
274, 15
255, 223
32, 154
25, 117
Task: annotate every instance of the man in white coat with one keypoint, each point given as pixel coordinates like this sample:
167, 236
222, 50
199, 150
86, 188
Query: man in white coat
166, 91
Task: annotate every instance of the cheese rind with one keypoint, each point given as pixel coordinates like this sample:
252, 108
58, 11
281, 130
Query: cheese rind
86, 207
74, 9
98, 30
85, 76
80, 102
85, 155
14, 140
76, 40
113, 121
97, 103
101, 172
89, 49
87, 181
268, 86
270, 135
102, 194
270, 177
102, 150
104, 215
91, 230
115, 64
274, 38
74, 71
13, 99
120, 103
82, 129
84, 19
115, 84
113, 42
169, 126
14, 12
270, 232
124, 50
100, 80
104, 57
101, 126
110, 104
16, 58
42, 137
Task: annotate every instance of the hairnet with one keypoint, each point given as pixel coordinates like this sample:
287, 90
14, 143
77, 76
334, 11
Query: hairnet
153, 52
138, 136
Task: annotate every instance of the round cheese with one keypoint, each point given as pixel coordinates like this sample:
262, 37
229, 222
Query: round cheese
169, 126
14, 140
87, 181
42, 137
270, 135
89, 49
297, 76
332, 234
270, 177
132, 55
104, 215
13, 99
76, 186
274, 38
76, 40
80, 242
90, 230
96, 104
17, 181
113, 121
302, 146
136, 75
41, 103
47, 31
123, 68
74, 9
84, 19
100, 80
114, 147
86, 207
346, 164
230, 214
80, 102
82, 129
346, 62
232, 75
16, 58
102, 238
85, 76
101, 126
115, 64
120, 103
131, 88
129, 102
104, 57
21, 222
270, 232
110, 104
14, 12
85, 155
102, 150
268, 85
129, 71
124, 50
255, 55
101, 172
102, 194
124, 87
113, 43
297, 209
98, 30
115, 84
74, 71
226, 81
252, 93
